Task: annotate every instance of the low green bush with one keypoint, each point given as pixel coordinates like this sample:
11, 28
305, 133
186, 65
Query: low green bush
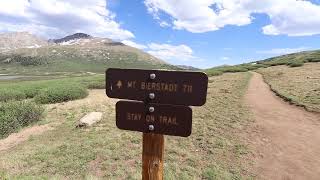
61, 93
96, 85
214, 73
11, 94
31, 91
17, 114
296, 64
235, 69
315, 59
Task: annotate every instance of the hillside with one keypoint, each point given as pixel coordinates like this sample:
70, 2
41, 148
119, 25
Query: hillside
300, 85
17, 40
291, 60
75, 53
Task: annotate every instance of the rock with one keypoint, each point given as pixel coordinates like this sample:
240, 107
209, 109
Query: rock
90, 119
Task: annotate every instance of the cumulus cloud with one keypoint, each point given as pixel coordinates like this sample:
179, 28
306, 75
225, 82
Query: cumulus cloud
171, 52
56, 18
168, 52
281, 51
289, 17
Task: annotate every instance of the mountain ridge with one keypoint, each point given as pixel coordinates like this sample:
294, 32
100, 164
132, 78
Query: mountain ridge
16, 40
71, 37
78, 52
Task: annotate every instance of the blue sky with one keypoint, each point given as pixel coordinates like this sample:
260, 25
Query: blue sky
200, 33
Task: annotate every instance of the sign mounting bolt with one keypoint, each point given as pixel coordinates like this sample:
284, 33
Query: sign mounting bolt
151, 109
152, 95
152, 76
151, 127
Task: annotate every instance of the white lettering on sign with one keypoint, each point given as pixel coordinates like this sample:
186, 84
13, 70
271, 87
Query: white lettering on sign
156, 86
162, 119
169, 87
187, 88
134, 116
119, 84
131, 84
168, 120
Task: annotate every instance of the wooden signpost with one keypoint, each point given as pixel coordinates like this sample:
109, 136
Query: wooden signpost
161, 108
153, 86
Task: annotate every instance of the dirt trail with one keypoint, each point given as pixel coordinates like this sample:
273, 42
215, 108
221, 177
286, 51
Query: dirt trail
285, 139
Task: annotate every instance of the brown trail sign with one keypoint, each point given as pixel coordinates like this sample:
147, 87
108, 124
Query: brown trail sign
161, 92
153, 86
154, 118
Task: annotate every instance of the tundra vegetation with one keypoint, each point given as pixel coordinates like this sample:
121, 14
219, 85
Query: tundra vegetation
300, 85
291, 60
20, 101
104, 151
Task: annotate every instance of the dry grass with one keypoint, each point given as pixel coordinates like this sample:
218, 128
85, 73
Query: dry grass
299, 85
213, 151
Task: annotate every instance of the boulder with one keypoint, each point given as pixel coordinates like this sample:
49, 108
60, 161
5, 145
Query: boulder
90, 119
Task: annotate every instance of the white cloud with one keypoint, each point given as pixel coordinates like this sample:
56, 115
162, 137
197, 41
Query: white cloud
224, 58
134, 44
56, 18
171, 52
290, 17
281, 51
164, 24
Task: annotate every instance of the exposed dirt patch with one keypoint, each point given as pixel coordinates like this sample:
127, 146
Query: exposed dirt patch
96, 168
284, 138
16, 138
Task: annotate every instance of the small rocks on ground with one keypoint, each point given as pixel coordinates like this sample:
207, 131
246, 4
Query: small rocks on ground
90, 119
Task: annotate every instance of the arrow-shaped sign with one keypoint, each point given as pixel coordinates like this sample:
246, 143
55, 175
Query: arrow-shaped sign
119, 84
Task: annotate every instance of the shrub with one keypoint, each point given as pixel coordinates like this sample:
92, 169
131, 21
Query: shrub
296, 64
11, 94
61, 93
214, 73
96, 85
17, 114
235, 69
315, 59
31, 91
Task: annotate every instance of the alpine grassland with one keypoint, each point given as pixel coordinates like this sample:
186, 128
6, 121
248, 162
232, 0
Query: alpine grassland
215, 150
290, 60
20, 101
299, 85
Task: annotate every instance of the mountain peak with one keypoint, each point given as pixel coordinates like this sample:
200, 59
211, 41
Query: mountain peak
72, 37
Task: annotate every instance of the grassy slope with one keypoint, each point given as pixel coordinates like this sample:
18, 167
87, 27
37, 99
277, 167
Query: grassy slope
291, 60
213, 151
288, 76
299, 85
91, 58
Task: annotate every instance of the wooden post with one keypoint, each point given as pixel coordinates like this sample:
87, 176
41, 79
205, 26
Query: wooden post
152, 156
